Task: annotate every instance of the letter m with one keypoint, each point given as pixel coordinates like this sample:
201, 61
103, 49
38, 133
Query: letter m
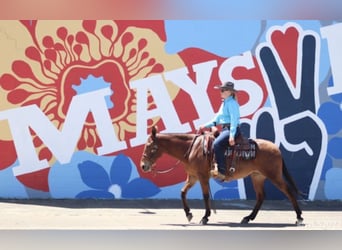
62, 143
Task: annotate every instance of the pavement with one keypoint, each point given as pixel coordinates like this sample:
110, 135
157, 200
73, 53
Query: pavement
161, 224
163, 215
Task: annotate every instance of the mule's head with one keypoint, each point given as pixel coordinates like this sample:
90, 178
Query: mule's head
151, 152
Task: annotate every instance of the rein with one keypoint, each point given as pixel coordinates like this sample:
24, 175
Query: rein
155, 172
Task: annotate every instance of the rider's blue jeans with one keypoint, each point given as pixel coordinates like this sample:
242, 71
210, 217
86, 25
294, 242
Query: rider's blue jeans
220, 145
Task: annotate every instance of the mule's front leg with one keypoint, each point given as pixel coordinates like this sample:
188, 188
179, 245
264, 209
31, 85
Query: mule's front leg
186, 208
191, 180
204, 181
205, 219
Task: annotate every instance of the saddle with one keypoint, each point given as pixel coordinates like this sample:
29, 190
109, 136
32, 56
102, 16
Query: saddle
244, 149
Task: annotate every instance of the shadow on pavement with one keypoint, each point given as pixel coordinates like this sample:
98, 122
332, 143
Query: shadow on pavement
236, 225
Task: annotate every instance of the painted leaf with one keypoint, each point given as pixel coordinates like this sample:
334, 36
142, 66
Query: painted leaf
121, 169
94, 175
140, 188
95, 194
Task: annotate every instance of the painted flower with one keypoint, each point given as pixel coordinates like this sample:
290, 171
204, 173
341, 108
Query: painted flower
116, 184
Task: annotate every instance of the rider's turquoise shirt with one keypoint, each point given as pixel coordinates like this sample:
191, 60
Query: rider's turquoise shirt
229, 112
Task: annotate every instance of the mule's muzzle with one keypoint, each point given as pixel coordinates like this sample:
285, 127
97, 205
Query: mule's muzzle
146, 167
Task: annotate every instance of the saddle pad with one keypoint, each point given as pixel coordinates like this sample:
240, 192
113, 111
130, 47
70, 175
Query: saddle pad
245, 150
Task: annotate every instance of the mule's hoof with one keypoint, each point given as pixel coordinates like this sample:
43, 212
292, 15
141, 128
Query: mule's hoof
244, 221
189, 217
204, 221
299, 222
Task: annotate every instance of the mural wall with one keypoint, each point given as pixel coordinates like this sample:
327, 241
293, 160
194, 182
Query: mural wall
78, 100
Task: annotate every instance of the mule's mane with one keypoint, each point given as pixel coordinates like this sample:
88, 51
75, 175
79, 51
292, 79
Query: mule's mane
178, 136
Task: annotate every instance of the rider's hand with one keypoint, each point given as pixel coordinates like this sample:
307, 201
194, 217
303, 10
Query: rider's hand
231, 141
215, 131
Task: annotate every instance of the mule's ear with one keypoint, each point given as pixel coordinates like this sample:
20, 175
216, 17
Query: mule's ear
154, 131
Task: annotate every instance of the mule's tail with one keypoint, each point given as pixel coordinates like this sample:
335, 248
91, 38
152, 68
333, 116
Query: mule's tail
289, 179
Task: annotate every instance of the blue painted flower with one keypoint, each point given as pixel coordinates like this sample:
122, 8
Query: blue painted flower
116, 184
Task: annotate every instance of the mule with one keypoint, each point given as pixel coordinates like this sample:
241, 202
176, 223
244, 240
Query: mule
190, 150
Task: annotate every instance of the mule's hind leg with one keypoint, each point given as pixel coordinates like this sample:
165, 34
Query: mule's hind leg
258, 181
291, 195
190, 181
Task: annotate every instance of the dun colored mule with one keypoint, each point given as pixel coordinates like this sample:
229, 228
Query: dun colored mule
190, 150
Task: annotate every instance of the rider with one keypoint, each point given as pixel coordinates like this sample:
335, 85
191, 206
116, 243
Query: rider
228, 118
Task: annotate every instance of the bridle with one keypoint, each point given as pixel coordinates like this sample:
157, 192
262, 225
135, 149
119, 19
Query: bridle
153, 151
149, 157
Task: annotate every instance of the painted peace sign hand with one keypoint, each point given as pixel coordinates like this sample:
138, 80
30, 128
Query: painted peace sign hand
289, 59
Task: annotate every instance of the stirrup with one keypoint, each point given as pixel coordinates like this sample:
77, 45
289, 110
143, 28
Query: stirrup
214, 166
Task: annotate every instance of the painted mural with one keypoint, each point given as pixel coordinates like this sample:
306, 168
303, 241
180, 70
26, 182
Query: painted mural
78, 99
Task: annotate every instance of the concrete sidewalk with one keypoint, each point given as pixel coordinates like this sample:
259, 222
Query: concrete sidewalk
163, 215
